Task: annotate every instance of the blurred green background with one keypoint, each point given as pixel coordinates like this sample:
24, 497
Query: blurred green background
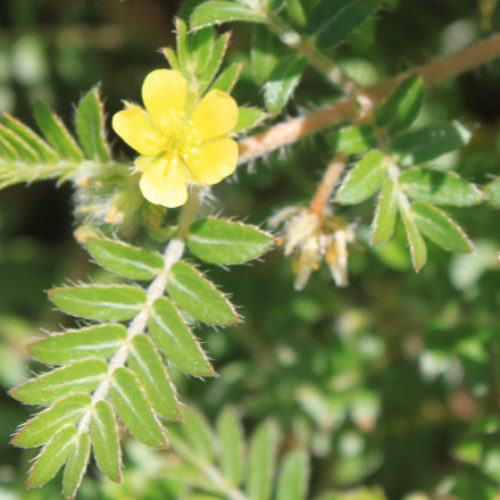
382, 380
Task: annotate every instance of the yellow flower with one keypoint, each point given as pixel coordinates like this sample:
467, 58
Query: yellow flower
177, 147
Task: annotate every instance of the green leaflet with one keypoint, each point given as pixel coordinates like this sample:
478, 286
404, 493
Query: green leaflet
37, 144
440, 228
199, 434
151, 373
201, 47
228, 78
418, 248
91, 128
430, 142
293, 476
106, 441
262, 462
386, 212
364, 179
492, 191
213, 65
440, 188
355, 140
22, 149
225, 243
94, 342
231, 446
99, 302
76, 465
197, 296
53, 456
249, 118
124, 259
332, 20
43, 426
282, 82
131, 404
57, 134
176, 340
402, 107
83, 376
265, 53
219, 12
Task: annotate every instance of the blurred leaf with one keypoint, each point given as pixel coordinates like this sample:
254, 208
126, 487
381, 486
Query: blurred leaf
363, 180
440, 188
220, 12
228, 78
232, 445
440, 228
332, 20
199, 434
355, 140
99, 302
492, 191
282, 82
249, 118
214, 63
199, 297
402, 107
430, 142
293, 476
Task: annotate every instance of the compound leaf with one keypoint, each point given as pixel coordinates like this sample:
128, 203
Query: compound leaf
76, 465
232, 445
293, 476
386, 212
418, 249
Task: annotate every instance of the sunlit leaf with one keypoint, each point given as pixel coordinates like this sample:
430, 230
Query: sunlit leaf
219, 12
385, 213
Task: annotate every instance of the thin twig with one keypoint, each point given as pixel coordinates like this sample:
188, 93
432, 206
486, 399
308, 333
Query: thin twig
347, 108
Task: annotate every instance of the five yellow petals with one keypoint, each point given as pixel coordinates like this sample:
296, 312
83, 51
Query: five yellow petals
176, 148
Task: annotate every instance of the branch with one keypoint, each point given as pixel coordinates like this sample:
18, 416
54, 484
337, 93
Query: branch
347, 108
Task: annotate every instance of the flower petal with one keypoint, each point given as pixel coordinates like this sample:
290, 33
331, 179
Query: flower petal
163, 183
164, 91
133, 126
215, 116
213, 161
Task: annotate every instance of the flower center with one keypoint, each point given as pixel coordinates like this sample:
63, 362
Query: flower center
179, 137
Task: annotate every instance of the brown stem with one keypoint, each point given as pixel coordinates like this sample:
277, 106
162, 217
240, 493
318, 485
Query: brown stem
327, 184
292, 130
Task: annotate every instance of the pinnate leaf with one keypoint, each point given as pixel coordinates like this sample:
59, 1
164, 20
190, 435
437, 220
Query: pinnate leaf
402, 107
151, 373
83, 376
22, 150
43, 426
364, 179
430, 142
218, 12
130, 403
106, 441
440, 228
176, 340
53, 456
262, 462
282, 82
293, 476
199, 435
94, 342
57, 134
224, 242
76, 465
232, 446
440, 188
91, 128
124, 259
332, 20
198, 297
386, 212
99, 302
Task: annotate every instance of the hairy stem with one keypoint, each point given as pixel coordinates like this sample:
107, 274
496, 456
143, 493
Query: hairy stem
156, 289
347, 108
327, 185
